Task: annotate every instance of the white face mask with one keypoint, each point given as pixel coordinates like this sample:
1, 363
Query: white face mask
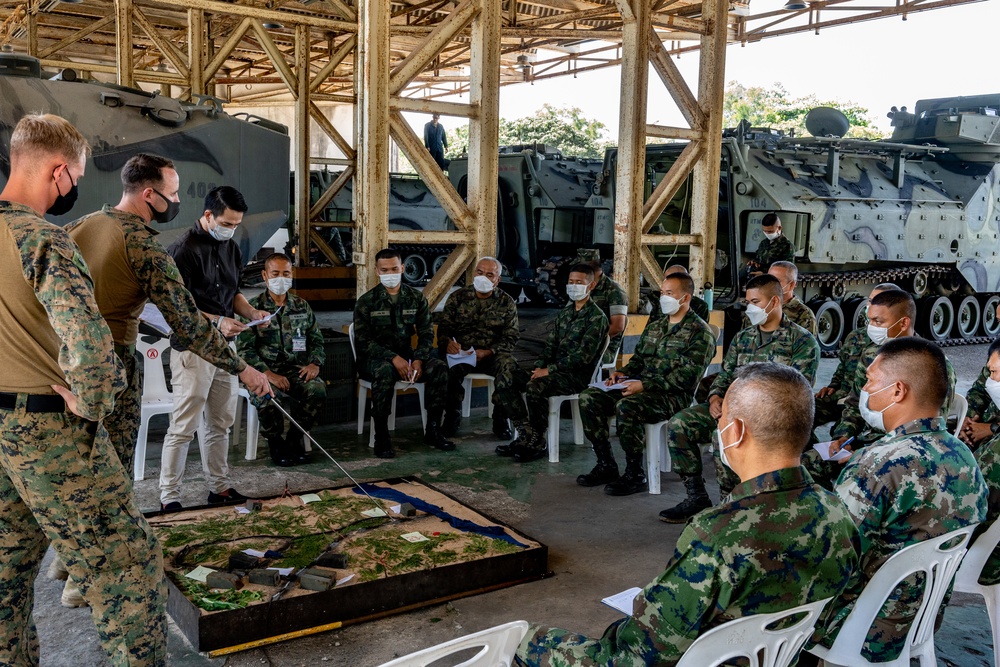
482, 284
723, 447
220, 233
279, 285
771, 237
756, 314
993, 389
669, 305
390, 280
879, 335
576, 292
874, 419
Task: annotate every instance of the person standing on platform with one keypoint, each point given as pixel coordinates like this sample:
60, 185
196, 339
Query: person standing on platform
436, 140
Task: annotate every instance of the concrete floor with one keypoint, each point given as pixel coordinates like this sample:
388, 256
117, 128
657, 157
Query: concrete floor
598, 545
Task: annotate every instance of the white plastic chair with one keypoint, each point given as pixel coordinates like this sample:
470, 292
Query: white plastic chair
938, 565
657, 455
959, 407
749, 637
156, 398
967, 580
612, 365
555, 405
467, 385
498, 647
365, 387
253, 423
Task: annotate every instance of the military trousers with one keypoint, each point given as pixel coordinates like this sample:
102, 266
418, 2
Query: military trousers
535, 406
383, 376
687, 432
203, 394
503, 368
63, 483
828, 409
123, 423
303, 400
632, 414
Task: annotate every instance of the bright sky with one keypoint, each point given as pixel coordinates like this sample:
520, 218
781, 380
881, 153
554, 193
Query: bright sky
877, 64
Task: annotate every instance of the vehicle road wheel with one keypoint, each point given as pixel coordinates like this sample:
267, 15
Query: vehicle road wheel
438, 263
967, 315
854, 313
991, 323
829, 323
935, 316
414, 269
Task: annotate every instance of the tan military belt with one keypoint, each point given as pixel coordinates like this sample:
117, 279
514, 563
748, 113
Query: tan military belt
34, 402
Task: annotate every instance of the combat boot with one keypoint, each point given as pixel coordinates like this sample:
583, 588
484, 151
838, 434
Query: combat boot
633, 480
452, 420
501, 426
523, 436
277, 447
383, 443
71, 597
696, 501
57, 570
605, 471
536, 448
433, 435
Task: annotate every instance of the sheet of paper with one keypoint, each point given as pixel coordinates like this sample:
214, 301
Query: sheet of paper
603, 387
283, 571
374, 512
413, 537
200, 573
240, 509
264, 319
622, 601
344, 580
824, 451
254, 552
309, 497
395, 509
463, 357
152, 316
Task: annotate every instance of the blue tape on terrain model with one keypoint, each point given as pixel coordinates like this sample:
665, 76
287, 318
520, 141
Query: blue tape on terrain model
496, 532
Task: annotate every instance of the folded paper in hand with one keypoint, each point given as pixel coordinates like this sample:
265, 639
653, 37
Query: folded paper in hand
824, 451
604, 387
463, 357
264, 319
623, 601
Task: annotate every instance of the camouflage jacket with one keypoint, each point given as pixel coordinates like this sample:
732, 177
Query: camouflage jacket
916, 483
611, 299
797, 312
988, 458
715, 574
851, 422
153, 275
980, 404
575, 341
778, 250
849, 357
789, 344
383, 329
271, 347
51, 322
698, 305
485, 324
671, 358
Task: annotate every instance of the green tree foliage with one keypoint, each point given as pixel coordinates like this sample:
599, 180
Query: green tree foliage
564, 128
775, 108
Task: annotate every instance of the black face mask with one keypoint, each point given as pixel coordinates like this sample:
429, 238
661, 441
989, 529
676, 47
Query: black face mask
163, 217
64, 202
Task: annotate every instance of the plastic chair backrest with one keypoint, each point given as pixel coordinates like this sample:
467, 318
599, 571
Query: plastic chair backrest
750, 637
967, 579
959, 407
498, 647
938, 564
350, 335
154, 381
600, 361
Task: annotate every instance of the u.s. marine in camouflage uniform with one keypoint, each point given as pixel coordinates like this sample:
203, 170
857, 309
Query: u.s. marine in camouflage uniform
386, 318
724, 565
661, 376
63, 481
916, 483
292, 352
773, 339
566, 366
481, 317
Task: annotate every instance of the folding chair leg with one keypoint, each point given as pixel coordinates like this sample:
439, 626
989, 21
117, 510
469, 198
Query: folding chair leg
253, 430
552, 435
653, 457
574, 405
139, 467
467, 399
490, 388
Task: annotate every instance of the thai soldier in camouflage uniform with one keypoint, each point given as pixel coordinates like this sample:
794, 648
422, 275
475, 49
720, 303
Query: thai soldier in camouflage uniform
386, 317
791, 307
828, 399
773, 339
566, 366
698, 304
987, 448
483, 318
129, 267
62, 481
916, 483
724, 566
775, 247
292, 352
660, 377
610, 298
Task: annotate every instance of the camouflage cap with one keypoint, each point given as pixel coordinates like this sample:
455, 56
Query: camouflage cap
588, 255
